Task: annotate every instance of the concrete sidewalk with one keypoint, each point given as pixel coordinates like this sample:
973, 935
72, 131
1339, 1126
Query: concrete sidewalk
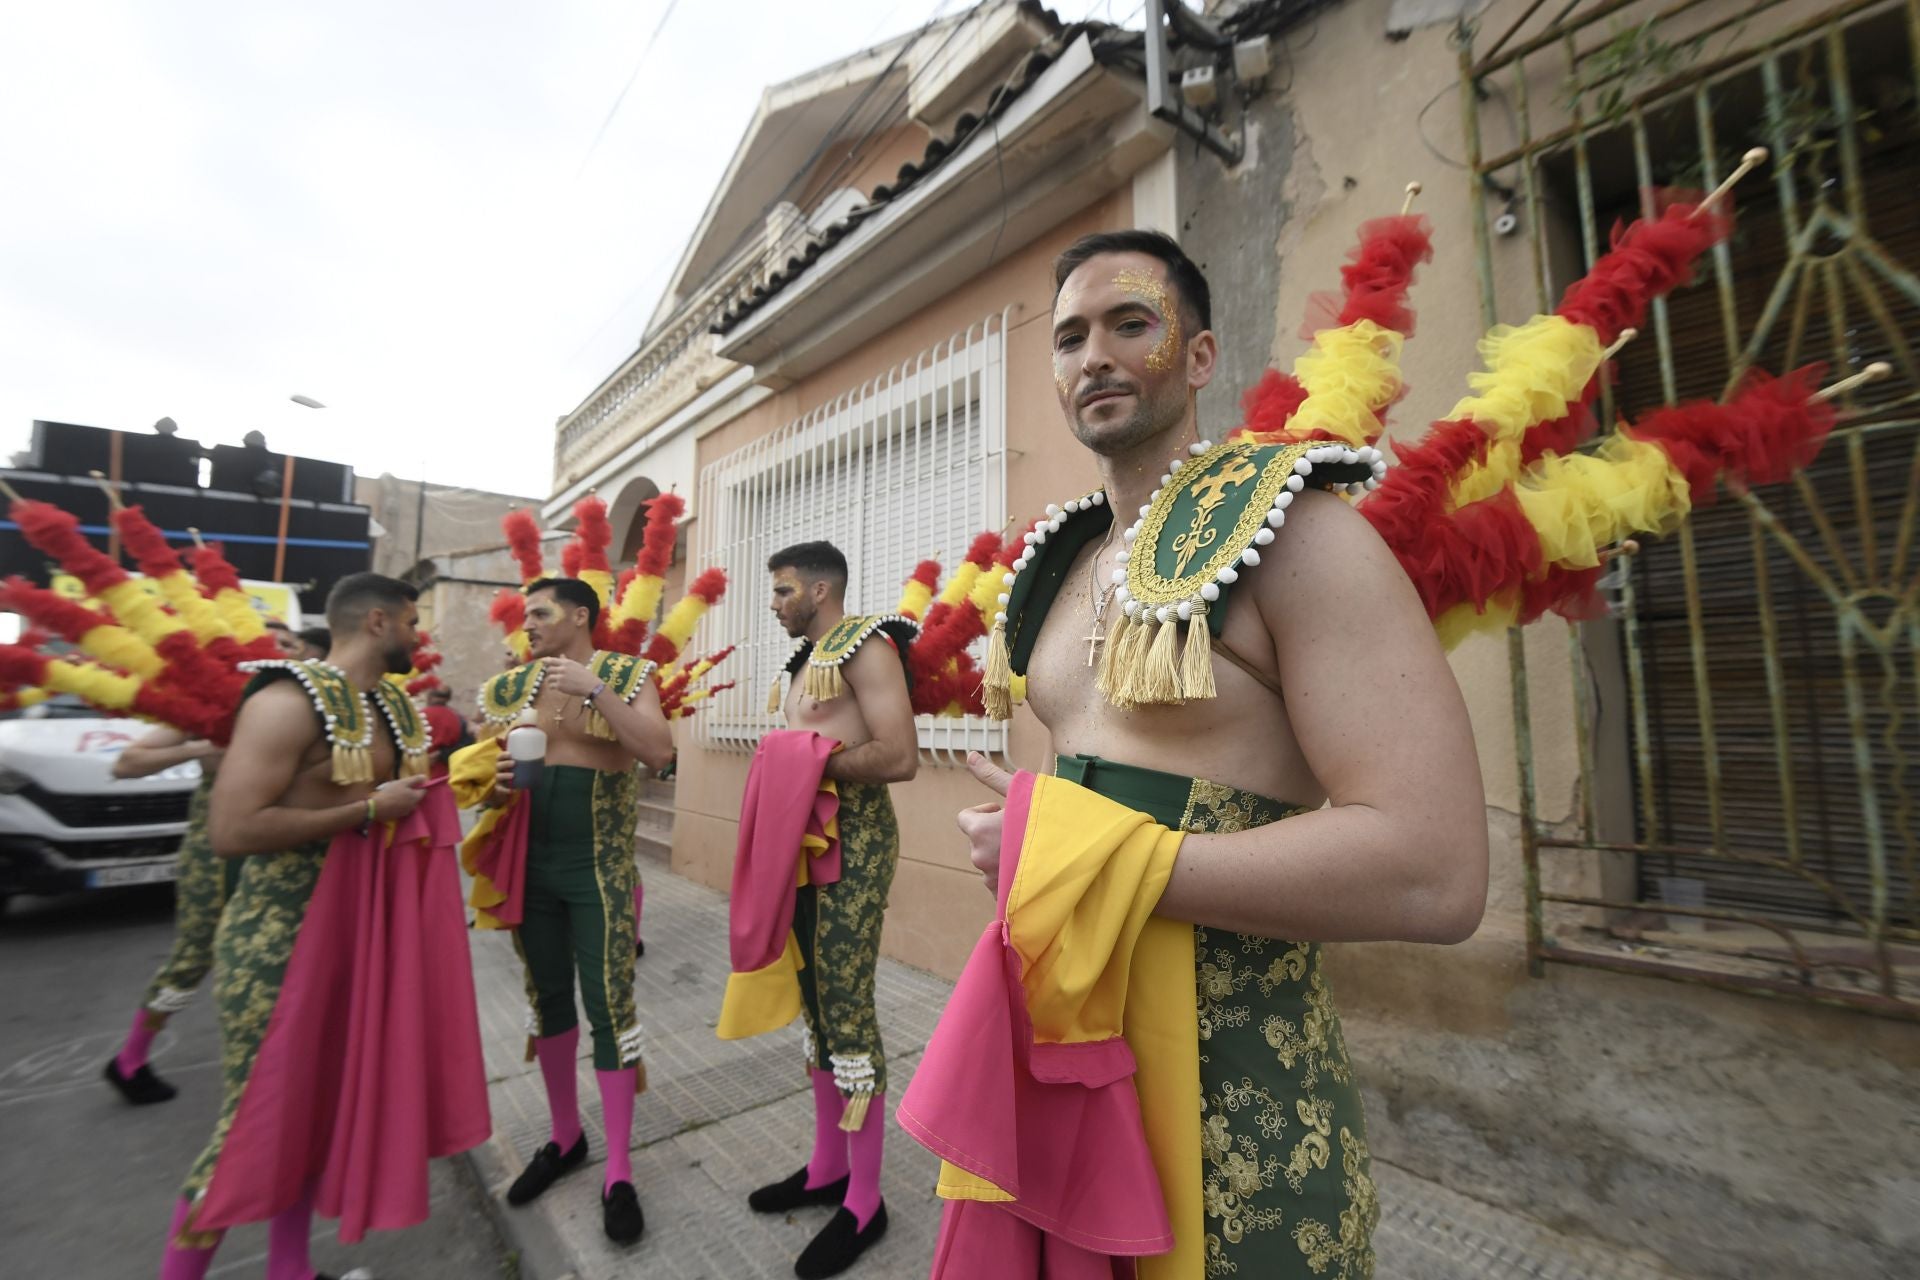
722, 1118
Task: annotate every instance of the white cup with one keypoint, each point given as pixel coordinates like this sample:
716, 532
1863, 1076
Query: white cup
528, 747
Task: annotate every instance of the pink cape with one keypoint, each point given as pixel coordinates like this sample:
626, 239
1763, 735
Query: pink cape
1056, 1126
782, 804
371, 1063
503, 861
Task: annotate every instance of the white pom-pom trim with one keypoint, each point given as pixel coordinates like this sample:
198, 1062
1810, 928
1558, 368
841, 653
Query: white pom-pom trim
1209, 592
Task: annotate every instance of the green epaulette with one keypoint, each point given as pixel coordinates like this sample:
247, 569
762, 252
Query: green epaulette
822, 662
347, 718
508, 696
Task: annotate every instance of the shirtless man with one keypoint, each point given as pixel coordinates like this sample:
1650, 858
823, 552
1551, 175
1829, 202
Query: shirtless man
1335, 710
274, 810
601, 714
200, 890
853, 694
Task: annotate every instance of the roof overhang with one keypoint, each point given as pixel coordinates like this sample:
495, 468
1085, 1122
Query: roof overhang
1081, 131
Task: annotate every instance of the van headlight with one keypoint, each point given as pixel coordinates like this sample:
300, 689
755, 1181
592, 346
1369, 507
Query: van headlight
13, 781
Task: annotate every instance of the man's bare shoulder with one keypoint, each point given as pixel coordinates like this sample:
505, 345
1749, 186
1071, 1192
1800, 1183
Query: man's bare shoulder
279, 710
877, 662
1326, 551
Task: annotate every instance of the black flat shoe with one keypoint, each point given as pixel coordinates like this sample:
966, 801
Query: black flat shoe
840, 1244
620, 1213
792, 1193
142, 1088
639, 948
546, 1168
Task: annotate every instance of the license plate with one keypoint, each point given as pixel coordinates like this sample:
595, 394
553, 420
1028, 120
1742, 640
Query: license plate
151, 873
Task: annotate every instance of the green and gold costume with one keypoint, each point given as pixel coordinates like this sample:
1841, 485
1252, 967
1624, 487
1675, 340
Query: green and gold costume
580, 876
200, 894
269, 902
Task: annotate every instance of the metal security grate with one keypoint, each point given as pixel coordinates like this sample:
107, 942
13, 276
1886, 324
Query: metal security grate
111, 809
1746, 722
910, 464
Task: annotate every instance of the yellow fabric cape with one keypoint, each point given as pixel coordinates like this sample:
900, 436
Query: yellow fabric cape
768, 998
1091, 871
470, 773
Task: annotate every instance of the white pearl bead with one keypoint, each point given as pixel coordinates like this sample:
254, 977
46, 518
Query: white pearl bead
1121, 558
1302, 467
1166, 479
1119, 575
1275, 519
1229, 575
1100, 498
1006, 579
1186, 610
1176, 464
1004, 598
1130, 533
1283, 500
1196, 449
1027, 538
1000, 617
1123, 595
1249, 557
1263, 537
1052, 509
1073, 506
1205, 445
1295, 483
1053, 525
1209, 592
1355, 489
1143, 512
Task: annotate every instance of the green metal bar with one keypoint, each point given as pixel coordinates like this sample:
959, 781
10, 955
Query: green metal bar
1897, 763
1637, 698
1876, 922
1791, 284
1892, 272
1589, 218
1582, 727
1838, 86
1890, 1006
1529, 829
1544, 39
1736, 19
1805, 963
1776, 688
1823, 525
1470, 130
1702, 687
1529, 190
1783, 185
1883, 316
1838, 330
1909, 520
1663, 337
1722, 255
1789, 543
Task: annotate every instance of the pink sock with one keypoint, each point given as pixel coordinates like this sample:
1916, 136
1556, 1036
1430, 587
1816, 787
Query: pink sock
829, 1160
183, 1264
133, 1054
288, 1236
616, 1104
865, 1146
557, 1055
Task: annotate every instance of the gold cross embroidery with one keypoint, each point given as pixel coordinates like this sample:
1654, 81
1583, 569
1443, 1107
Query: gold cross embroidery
1211, 490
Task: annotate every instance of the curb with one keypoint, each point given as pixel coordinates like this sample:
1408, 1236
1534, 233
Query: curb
541, 1252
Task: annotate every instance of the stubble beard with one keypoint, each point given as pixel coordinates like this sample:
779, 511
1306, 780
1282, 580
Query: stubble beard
1156, 412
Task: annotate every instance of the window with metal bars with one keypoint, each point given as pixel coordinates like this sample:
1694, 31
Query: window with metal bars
907, 466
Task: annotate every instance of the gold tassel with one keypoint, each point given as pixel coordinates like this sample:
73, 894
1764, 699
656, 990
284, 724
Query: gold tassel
773, 697
1108, 679
1196, 662
824, 683
639, 1076
853, 1116
996, 689
1160, 673
597, 726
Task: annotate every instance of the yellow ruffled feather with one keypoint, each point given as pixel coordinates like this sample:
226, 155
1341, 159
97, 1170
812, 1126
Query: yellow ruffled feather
681, 620
1581, 503
236, 610
1350, 374
601, 581
135, 608
640, 600
118, 647
184, 598
94, 685
915, 597
1534, 372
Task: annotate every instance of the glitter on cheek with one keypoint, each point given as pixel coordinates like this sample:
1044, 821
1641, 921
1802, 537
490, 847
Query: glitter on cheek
1163, 358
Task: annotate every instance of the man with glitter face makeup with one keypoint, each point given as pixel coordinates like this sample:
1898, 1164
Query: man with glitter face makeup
1299, 771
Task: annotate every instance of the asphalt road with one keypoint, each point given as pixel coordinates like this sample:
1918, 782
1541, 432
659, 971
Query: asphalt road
87, 1182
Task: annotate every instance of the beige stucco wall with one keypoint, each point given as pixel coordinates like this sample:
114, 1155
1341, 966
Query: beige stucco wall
938, 904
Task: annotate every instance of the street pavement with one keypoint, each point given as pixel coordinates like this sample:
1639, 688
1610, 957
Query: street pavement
86, 1182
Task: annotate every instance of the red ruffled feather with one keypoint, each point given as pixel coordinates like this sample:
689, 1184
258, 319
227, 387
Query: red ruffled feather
145, 542
656, 547
65, 618
1649, 257
213, 571
508, 610
1374, 282
593, 534
57, 533
523, 541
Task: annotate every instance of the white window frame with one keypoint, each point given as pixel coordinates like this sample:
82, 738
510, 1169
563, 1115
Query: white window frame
898, 419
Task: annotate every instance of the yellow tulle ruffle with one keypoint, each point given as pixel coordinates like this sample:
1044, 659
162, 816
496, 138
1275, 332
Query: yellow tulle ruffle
915, 596
184, 598
1581, 503
94, 685
1463, 620
1534, 372
118, 647
601, 581
236, 610
985, 596
1350, 374
680, 621
133, 607
640, 600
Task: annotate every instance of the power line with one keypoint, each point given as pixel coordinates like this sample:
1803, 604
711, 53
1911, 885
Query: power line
614, 110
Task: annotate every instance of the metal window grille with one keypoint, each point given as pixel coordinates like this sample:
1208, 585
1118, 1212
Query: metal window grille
906, 466
1745, 720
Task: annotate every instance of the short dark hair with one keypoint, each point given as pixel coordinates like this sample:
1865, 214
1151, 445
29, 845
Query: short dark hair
1195, 297
813, 559
357, 593
319, 637
572, 592
439, 694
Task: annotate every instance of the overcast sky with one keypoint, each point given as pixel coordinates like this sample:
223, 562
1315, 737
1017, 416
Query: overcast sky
395, 208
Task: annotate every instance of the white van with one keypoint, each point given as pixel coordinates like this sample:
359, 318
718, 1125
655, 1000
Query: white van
66, 823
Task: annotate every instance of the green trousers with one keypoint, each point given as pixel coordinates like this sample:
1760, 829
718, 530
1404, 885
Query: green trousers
1289, 1190
200, 895
252, 948
838, 929
579, 908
